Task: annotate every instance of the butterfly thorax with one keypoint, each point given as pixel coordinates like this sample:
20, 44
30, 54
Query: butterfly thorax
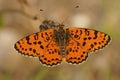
60, 37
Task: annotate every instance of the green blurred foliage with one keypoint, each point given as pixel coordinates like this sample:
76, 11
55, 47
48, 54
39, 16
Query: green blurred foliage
1, 20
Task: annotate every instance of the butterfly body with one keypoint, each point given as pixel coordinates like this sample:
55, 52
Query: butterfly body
54, 43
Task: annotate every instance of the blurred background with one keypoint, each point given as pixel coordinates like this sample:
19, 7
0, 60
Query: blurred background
18, 19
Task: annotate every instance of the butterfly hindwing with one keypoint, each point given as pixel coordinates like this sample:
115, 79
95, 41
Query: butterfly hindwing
52, 55
74, 52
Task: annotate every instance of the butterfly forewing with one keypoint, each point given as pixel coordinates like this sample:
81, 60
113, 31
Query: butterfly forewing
34, 44
89, 39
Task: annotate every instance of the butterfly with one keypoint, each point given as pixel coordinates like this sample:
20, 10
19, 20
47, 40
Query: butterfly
55, 44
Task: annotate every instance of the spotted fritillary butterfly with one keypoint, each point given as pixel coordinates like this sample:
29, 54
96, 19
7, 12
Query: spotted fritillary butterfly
54, 43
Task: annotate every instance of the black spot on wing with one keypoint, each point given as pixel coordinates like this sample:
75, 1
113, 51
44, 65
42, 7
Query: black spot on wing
39, 42
95, 33
84, 43
28, 38
91, 45
41, 46
36, 36
87, 32
34, 50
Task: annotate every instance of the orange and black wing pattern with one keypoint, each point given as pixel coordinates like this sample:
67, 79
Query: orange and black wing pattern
83, 41
42, 45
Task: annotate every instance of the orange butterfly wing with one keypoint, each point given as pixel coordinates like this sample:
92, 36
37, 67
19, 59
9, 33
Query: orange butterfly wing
40, 45
82, 41
52, 55
75, 53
